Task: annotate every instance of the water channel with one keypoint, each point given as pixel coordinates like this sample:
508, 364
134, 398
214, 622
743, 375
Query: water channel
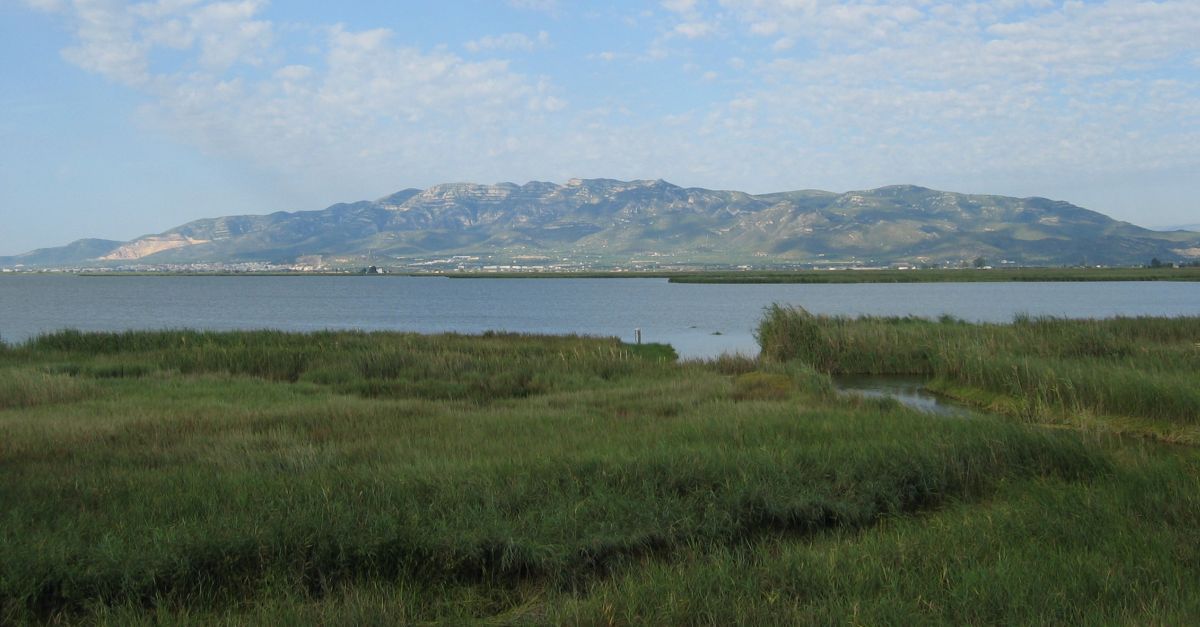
908, 390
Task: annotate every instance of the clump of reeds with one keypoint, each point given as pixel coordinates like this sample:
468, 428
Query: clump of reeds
29, 388
1142, 367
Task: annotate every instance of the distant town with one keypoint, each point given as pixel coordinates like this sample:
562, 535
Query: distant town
439, 268
475, 264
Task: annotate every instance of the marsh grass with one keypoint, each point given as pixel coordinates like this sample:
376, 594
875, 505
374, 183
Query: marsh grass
1142, 368
209, 474
23, 389
445, 367
1118, 550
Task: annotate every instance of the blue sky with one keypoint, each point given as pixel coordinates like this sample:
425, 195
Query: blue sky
120, 118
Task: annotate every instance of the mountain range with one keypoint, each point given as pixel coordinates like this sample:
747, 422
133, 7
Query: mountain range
610, 222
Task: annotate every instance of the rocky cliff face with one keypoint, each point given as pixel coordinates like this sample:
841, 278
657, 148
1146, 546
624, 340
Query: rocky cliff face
620, 220
151, 245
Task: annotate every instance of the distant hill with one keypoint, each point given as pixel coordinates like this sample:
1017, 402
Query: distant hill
1179, 227
73, 253
614, 222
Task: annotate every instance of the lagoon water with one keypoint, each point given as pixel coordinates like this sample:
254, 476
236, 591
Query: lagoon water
698, 320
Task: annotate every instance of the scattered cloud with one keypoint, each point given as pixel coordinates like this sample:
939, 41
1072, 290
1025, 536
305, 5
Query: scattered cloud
693, 24
838, 94
680, 6
50, 6
367, 107
535, 5
694, 30
509, 41
228, 33
108, 42
895, 89
373, 106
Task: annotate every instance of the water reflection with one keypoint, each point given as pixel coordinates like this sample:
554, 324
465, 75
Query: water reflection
907, 390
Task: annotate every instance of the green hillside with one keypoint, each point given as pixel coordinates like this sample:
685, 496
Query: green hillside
619, 221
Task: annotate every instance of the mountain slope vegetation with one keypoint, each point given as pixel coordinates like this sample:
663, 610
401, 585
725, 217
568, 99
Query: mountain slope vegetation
617, 222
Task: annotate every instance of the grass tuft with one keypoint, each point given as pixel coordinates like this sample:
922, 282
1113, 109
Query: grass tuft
21, 388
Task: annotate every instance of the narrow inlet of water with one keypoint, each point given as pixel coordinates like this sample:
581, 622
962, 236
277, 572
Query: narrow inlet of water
908, 390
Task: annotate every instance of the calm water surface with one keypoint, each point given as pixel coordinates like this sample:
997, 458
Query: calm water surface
907, 390
698, 320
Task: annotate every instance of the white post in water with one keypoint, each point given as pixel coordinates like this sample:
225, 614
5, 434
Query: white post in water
637, 334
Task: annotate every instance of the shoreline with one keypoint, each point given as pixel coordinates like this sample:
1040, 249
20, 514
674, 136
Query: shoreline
846, 276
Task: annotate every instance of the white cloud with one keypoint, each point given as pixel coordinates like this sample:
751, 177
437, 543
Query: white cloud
693, 22
680, 6
831, 93
535, 5
508, 41
116, 39
368, 109
229, 34
293, 73
893, 90
694, 30
107, 42
1074, 37
46, 5
171, 33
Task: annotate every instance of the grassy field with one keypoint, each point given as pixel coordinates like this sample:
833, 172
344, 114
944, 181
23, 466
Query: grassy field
372, 478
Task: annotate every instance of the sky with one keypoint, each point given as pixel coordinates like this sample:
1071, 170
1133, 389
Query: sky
119, 119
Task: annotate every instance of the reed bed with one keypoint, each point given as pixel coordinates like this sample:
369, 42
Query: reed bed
1142, 367
21, 388
208, 474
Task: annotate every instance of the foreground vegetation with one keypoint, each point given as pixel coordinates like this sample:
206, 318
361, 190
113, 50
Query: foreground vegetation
358, 478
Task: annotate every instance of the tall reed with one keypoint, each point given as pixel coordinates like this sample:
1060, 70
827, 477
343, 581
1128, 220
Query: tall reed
1144, 367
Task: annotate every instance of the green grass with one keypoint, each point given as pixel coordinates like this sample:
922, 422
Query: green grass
359, 478
22, 388
1119, 550
1133, 374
